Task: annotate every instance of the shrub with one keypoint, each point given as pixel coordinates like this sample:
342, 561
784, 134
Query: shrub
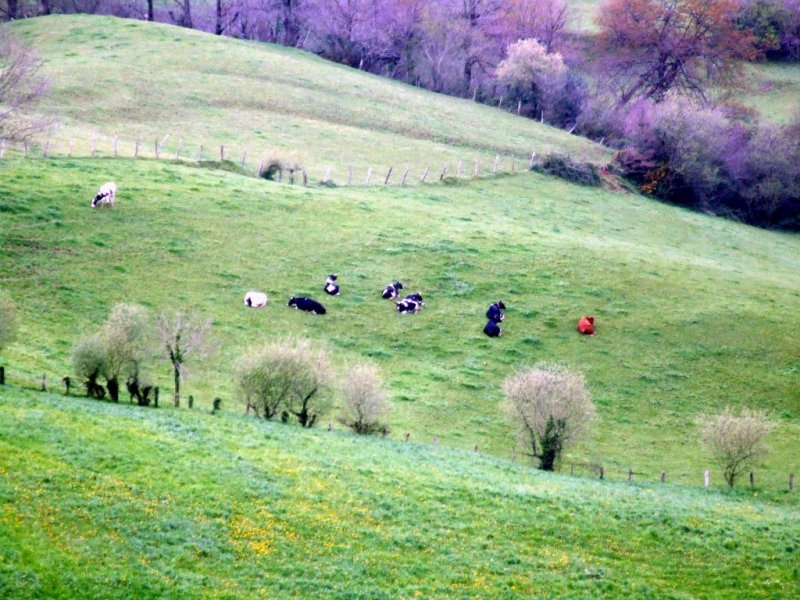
289, 375
550, 407
564, 167
364, 400
735, 440
88, 363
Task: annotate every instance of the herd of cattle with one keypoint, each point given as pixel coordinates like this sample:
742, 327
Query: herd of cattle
412, 303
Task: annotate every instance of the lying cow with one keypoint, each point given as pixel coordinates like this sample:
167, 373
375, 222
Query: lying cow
495, 312
330, 286
411, 303
392, 291
255, 299
586, 325
307, 304
492, 328
105, 195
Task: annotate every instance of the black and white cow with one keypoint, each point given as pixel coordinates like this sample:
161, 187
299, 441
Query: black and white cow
330, 286
392, 291
255, 299
105, 195
411, 303
495, 312
492, 328
307, 304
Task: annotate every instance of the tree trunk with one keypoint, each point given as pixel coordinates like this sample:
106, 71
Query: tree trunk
218, 27
149, 10
177, 398
113, 389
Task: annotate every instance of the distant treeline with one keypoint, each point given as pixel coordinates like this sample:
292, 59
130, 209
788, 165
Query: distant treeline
639, 81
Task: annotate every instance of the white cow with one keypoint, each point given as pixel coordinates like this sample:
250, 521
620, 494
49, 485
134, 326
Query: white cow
255, 299
105, 196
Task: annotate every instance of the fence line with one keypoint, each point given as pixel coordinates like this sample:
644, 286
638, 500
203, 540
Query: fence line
100, 146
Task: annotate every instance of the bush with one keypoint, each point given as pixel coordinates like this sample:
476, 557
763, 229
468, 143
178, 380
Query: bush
364, 400
564, 167
772, 24
550, 407
289, 375
88, 363
126, 338
735, 440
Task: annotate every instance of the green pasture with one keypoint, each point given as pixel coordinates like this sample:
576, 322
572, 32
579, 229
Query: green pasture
114, 501
692, 310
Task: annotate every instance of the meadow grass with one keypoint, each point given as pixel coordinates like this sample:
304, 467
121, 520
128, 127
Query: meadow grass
691, 309
113, 77
114, 501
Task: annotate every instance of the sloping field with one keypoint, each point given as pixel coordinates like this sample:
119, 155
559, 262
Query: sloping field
107, 501
113, 77
691, 309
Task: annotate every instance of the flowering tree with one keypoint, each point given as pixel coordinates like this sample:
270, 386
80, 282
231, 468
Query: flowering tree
533, 76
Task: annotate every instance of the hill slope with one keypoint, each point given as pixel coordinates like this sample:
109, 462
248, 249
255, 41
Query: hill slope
111, 501
691, 309
142, 80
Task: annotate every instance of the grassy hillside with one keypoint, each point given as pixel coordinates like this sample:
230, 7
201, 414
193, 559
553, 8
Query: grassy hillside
107, 501
691, 309
138, 80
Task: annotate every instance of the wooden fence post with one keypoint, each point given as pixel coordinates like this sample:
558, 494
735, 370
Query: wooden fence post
46, 149
116, 146
752, 480
514, 454
663, 476
519, 107
630, 474
791, 476
494, 166
157, 149
327, 175
71, 146
444, 170
458, 170
44, 383
94, 144
305, 178
389, 174
349, 175
706, 478
476, 167
572, 469
513, 162
424, 175
330, 426
500, 103
291, 176
474, 94
2, 148
161, 145
200, 154
2, 375
407, 436
533, 158
180, 147
435, 441
369, 174
602, 472
476, 449
244, 158
136, 150
260, 167
405, 174
221, 153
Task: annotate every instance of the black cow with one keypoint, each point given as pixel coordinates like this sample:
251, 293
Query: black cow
495, 312
411, 303
492, 329
330, 286
392, 291
307, 304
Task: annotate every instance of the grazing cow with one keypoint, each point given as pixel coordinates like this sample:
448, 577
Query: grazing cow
586, 325
330, 286
492, 328
105, 195
307, 304
411, 303
255, 299
392, 291
495, 312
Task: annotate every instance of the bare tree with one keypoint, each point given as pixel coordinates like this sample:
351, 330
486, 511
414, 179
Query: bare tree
21, 87
364, 399
735, 440
550, 407
183, 336
289, 375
